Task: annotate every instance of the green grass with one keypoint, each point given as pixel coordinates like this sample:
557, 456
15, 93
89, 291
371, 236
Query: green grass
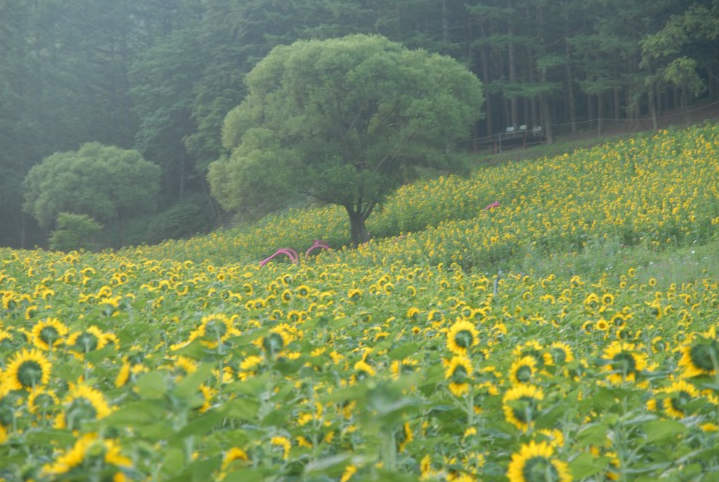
684, 264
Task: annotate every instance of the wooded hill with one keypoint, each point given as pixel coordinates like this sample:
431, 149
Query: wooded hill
159, 76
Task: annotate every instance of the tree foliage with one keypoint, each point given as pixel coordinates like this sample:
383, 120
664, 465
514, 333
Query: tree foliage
343, 121
104, 182
74, 231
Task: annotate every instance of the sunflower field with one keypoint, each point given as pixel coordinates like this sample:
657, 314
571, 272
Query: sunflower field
426, 354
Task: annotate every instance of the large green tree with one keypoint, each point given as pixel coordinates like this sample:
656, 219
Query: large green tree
106, 183
344, 121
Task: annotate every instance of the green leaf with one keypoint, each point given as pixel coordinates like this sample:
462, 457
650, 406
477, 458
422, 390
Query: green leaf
247, 475
200, 469
344, 394
253, 386
586, 465
242, 409
332, 466
44, 437
595, 434
152, 385
203, 424
156, 431
403, 351
98, 355
174, 460
343, 322
388, 476
659, 430
136, 414
195, 349
279, 417
188, 386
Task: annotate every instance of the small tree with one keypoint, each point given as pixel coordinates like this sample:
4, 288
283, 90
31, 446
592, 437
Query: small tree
344, 121
105, 183
74, 231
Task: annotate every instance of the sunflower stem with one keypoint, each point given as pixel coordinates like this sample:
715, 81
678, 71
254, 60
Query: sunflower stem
389, 449
470, 406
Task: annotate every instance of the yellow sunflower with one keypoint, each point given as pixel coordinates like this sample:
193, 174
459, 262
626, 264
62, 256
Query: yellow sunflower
404, 366
535, 350
535, 462
676, 399
523, 371
459, 374
27, 370
89, 454
284, 443
521, 405
214, 330
302, 291
561, 353
82, 403
232, 457
403, 437
462, 336
43, 403
700, 354
623, 362
286, 296
207, 396
88, 340
276, 340
363, 370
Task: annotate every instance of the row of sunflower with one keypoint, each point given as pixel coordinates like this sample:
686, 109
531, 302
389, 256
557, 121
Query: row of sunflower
125, 368
656, 190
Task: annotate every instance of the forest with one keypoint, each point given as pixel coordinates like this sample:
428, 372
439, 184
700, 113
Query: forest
159, 77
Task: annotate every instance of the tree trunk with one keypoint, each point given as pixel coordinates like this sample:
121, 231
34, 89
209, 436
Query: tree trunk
513, 102
600, 113
546, 119
569, 76
651, 100
358, 229
445, 25
484, 54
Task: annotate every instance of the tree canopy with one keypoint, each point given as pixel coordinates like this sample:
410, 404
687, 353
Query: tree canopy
343, 121
106, 183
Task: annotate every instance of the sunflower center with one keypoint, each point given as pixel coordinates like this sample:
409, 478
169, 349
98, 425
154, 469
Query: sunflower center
537, 356
464, 338
43, 402
524, 373
459, 374
362, 375
79, 411
624, 363
704, 355
273, 343
136, 358
539, 469
87, 342
523, 409
215, 329
49, 335
29, 374
559, 355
